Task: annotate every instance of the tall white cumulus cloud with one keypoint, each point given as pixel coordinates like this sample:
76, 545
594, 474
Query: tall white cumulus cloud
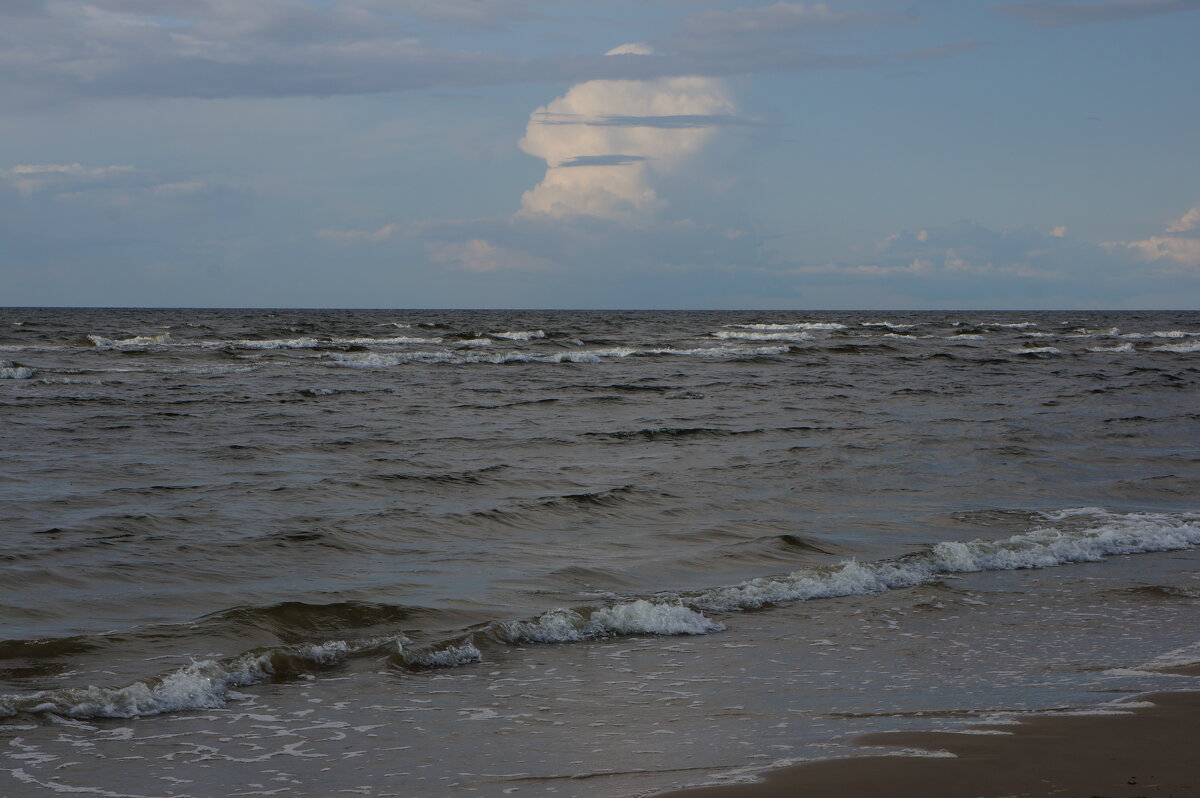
605, 141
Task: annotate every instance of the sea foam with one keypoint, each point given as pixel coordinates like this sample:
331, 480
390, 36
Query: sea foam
11, 371
800, 325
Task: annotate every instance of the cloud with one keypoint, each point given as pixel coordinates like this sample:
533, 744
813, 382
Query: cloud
626, 131
63, 178
481, 255
1051, 14
1172, 245
106, 186
1189, 221
968, 251
63, 51
357, 236
744, 30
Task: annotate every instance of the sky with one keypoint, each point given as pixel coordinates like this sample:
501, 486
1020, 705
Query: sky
868, 154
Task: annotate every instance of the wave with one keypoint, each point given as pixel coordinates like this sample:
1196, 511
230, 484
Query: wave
798, 335
1081, 535
677, 433
1037, 350
519, 335
1088, 535
458, 357
800, 325
100, 342
887, 324
11, 371
1121, 349
422, 325
633, 617
1184, 348
204, 684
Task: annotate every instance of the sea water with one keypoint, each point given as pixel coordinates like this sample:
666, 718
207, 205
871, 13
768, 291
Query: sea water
315, 552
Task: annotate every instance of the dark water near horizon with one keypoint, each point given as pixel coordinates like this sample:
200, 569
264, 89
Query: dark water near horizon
441, 552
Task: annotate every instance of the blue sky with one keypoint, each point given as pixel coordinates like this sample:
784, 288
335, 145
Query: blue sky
653, 154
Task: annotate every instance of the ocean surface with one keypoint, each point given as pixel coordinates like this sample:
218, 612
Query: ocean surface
415, 553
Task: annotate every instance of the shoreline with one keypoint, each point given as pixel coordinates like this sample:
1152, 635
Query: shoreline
1149, 750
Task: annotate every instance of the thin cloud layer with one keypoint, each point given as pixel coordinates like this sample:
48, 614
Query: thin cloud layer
1060, 14
60, 51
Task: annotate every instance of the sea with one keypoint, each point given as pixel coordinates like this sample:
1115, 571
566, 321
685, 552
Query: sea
603, 553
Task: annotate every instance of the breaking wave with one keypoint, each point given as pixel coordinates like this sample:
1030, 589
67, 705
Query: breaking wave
1046, 547
11, 371
797, 335
100, 342
800, 325
1184, 348
459, 357
520, 335
1068, 536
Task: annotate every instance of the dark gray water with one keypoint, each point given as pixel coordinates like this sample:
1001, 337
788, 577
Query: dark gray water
211, 519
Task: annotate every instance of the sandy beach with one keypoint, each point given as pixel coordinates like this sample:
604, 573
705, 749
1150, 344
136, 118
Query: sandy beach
1149, 751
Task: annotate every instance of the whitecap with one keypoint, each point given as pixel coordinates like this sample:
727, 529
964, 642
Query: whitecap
888, 324
101, 342
1183, 348
11, 371
520, 335
763, 336
1090, 536
275, 343
1037, 350
800, 325
392, 341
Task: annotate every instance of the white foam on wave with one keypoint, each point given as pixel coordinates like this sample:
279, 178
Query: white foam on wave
1173, 334
204, 684
799, 325
1099, 534
1017, 325
394, 340
449, 656
965, 337
100, 342
520, 335
726, 351
1037, 350
1121, 349
798, 335
1183, 348
888, 324
272, 343
451, 357
11, 371
632, 617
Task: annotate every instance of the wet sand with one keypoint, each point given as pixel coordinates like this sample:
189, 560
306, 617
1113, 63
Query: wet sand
1152, 752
